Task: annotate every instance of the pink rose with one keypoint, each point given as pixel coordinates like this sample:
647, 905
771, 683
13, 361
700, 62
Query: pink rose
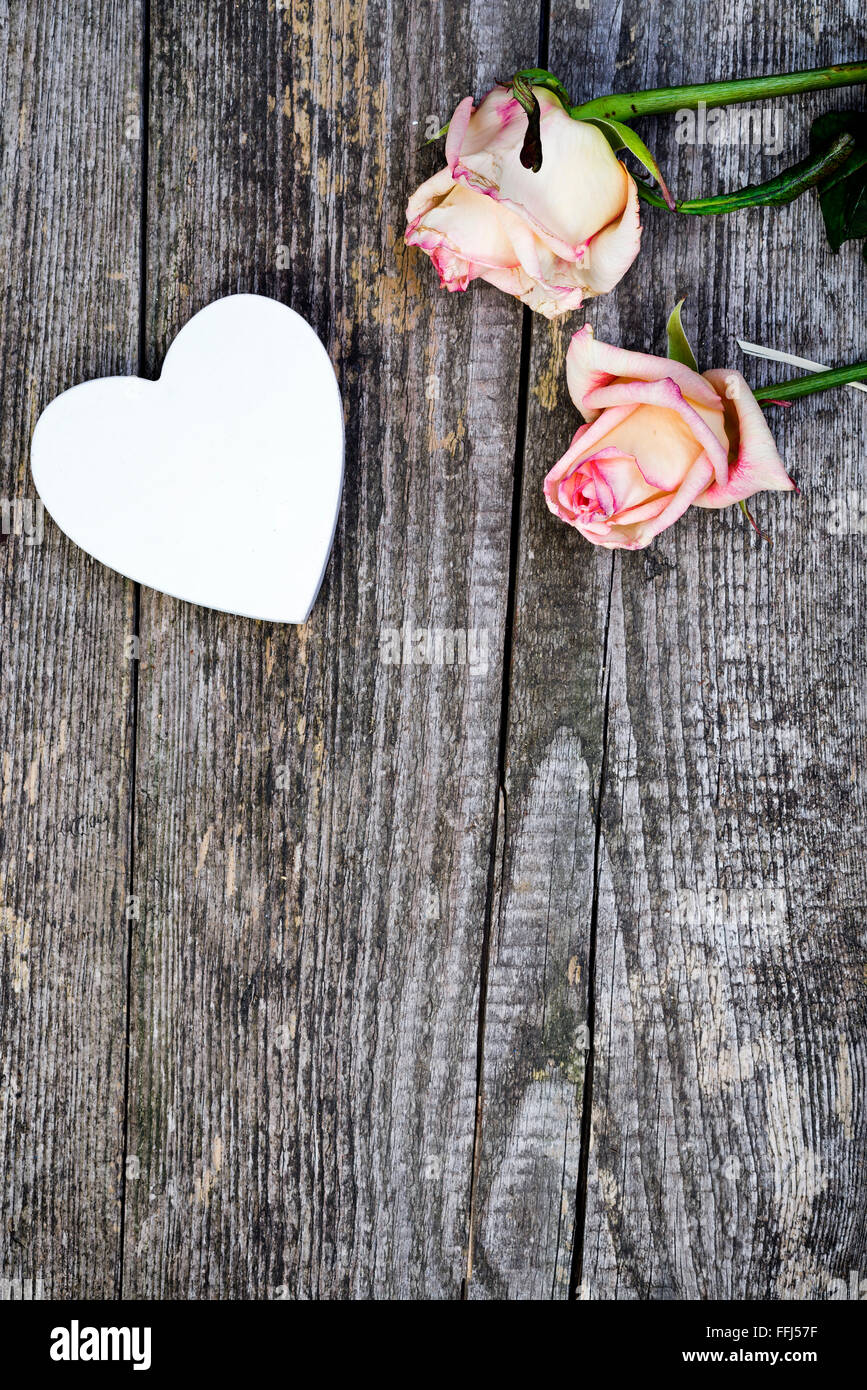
659, 438
551, 238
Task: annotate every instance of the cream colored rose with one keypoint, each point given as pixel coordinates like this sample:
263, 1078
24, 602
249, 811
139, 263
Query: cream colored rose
553, 238
659, 438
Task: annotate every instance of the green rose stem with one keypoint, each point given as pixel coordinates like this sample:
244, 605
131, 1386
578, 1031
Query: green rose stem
629, 105
612, 114
784, 188
806, 385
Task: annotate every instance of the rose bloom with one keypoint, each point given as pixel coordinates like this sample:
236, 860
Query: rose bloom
554, 238
659, 438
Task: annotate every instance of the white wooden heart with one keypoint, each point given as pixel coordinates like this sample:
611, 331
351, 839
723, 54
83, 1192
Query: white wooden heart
219, 483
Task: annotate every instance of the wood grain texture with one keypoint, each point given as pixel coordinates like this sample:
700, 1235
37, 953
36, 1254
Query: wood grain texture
69, 225
314, 825
672, 1001
536, 1027
727, 1130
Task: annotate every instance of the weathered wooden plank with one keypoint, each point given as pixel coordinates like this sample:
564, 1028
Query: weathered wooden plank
69, 203
536, 1030
728, 1043
725, 1160
314, 825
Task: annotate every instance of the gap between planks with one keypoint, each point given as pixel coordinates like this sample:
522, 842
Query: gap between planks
144, 107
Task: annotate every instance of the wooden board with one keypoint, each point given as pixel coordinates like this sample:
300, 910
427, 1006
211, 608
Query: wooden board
434, 985
69, 226
720, 1154
313, 824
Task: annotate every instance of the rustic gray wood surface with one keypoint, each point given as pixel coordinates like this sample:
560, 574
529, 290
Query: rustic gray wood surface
69, 232
540, 975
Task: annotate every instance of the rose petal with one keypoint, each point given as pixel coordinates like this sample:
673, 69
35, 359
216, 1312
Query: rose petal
662, 442
467, 228
588, 437
428, 195
458, 127
636, 534
759, 467
591, 363
548, 300
611, 251
656, 451
624, 478
484, 151
686, 496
